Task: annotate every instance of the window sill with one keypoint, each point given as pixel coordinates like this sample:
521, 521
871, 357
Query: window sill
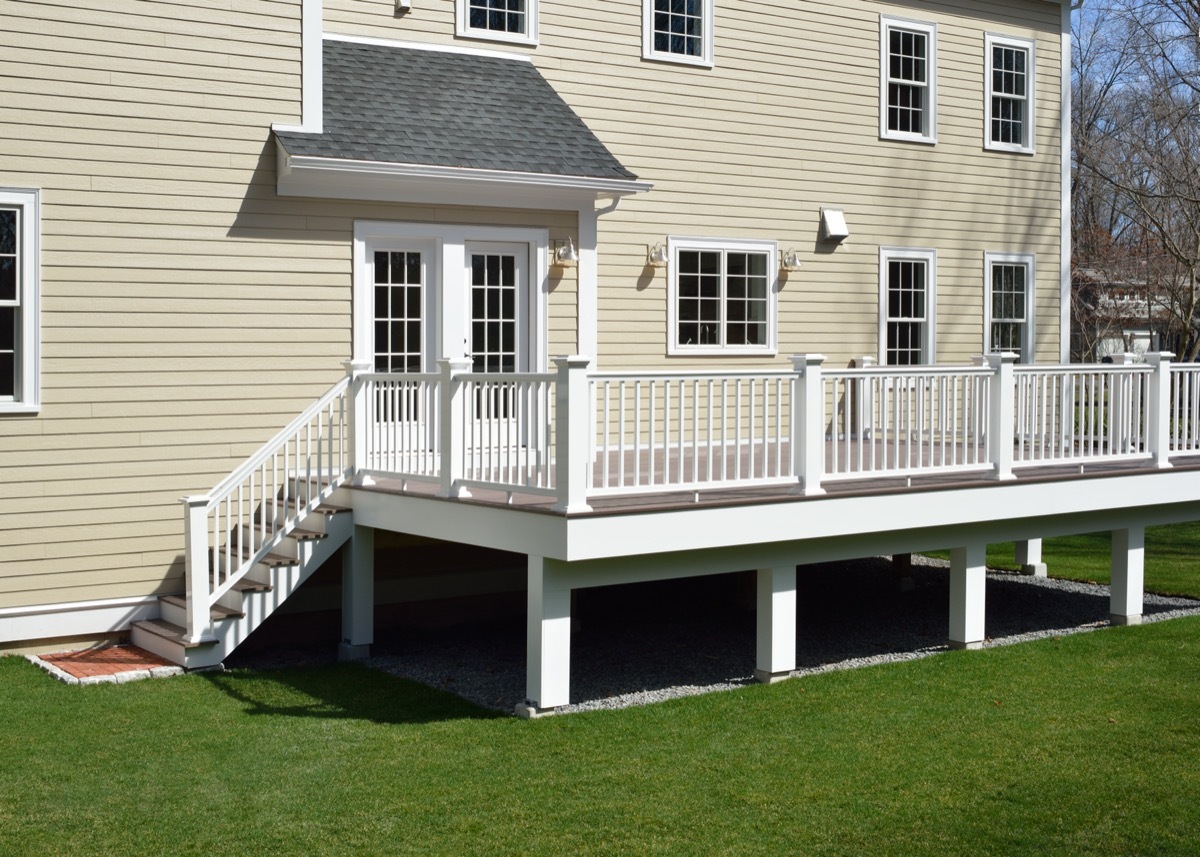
679, 59
896, 137
19, 409
1008, 148
757, 351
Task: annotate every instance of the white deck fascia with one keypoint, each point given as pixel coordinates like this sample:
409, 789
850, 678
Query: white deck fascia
811, 530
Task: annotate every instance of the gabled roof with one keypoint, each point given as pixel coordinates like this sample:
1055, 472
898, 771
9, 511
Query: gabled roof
394, 105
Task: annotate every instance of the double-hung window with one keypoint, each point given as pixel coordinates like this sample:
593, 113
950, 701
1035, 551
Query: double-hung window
1008, 303
498, 20
907, 306
678, 31
722, 296
19, 287
1008, 101
907, 80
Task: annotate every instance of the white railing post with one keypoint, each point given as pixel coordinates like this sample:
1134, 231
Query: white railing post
1001, 416
572, 434
197, 568
360, 454
1158, 408
452, 426
808, 423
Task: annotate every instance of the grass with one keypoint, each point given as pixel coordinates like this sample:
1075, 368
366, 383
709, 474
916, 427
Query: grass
1172, 558
1088, 744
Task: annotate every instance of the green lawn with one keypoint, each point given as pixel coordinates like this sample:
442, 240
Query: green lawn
1088, 744
1172, 558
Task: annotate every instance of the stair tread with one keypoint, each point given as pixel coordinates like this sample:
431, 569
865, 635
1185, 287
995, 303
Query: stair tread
323, 508
168, 631
217, 611
298, 533
246, 585
271, 559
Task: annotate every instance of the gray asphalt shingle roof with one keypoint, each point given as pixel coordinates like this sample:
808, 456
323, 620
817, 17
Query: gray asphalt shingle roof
436, 108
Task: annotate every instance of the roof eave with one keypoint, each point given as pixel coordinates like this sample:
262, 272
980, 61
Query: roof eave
337, 178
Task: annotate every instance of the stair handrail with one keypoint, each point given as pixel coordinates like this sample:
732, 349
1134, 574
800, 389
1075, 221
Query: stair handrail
205, 581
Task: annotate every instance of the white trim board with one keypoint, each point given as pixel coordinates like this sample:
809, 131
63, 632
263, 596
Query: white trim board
75, 619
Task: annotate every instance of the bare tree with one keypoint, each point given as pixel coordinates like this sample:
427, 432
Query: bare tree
1136, 180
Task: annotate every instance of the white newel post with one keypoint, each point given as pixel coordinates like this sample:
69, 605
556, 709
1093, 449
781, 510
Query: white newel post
572, 434
452, 417
196, 568
1001, 414
360, 448
808, 423
1158, 409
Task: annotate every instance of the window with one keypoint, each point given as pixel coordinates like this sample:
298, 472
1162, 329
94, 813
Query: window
1009, 88
722, 296
19, 286
499, 20
907, 306
678, 31
1008, 303
908, 80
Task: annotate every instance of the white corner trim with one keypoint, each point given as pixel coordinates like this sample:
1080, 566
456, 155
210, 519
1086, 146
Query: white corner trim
1064, 132
426, 46
75, 618
312, 72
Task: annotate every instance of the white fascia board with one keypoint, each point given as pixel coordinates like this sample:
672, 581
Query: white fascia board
336, 178
995, 510
75, 619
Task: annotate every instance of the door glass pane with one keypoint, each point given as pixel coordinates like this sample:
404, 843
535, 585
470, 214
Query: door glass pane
398, 292
493, 312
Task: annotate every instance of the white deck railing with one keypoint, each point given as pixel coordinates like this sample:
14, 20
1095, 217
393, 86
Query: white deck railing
574, 435
670, 431
903, 421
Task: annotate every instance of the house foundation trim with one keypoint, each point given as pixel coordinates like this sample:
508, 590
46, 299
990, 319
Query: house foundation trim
74, 619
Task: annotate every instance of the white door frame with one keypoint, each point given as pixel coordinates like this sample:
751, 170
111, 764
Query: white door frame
449, 334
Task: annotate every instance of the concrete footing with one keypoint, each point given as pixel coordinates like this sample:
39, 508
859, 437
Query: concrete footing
1115, 619
527, 711
972, 646
352, 652
1035, 569
771, 678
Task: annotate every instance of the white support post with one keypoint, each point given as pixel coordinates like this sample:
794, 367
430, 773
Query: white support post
1128, 576
968, 583
1029, 557
360, 446
358, 596
197, 569
548, 653
1001, 429
1158, 409
776, 624
572, 434
450, 443
808, 424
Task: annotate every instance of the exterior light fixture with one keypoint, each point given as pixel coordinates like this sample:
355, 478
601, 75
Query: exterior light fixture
833, 225
790, 261
564, 253
657, 256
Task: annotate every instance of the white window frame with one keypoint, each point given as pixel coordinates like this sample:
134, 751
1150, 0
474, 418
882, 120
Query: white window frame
463, 28
27, 398
448, 323
675, 244
929, 257
1026, 147
705, 60
887, 23
1029, 260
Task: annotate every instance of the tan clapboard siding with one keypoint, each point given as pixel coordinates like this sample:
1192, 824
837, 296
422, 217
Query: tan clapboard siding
188, 312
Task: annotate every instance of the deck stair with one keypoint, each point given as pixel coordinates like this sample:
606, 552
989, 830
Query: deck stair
252, 598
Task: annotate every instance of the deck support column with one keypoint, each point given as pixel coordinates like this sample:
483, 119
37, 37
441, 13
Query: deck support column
776, 624
1128, 576
548, 652
1029, 557
968, 582
358, 595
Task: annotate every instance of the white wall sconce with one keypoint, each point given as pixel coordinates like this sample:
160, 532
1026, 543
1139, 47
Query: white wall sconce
656, 256
790, 261
565, 255
833, 225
